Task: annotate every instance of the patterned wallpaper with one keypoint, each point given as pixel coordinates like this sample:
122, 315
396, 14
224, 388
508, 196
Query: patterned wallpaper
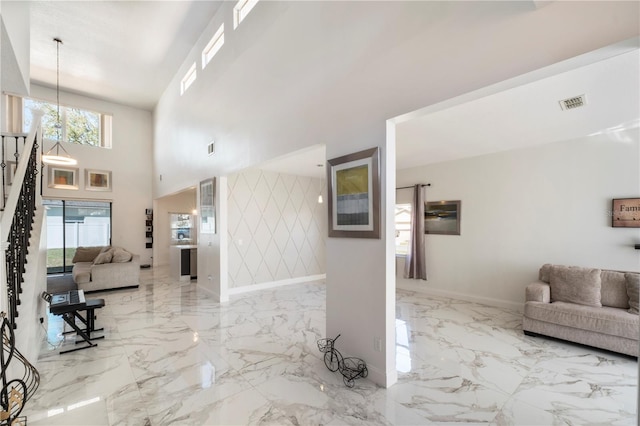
277, 229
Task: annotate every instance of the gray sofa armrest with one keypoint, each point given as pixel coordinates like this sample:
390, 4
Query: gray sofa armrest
538, 291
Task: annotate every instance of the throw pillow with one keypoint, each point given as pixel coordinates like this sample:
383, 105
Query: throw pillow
575, 285
545, 270
103, 258
86, 254
633, 288
121, 256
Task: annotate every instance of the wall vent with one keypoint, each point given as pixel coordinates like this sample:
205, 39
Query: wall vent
573, 103
211, 149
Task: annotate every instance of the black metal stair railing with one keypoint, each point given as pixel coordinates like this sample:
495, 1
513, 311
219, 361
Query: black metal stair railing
22, 210
12, 146
15, 393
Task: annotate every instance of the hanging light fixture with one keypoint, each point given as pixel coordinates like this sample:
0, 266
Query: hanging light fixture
53, 156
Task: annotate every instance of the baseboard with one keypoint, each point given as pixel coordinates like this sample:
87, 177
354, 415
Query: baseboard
274, 284
405, 285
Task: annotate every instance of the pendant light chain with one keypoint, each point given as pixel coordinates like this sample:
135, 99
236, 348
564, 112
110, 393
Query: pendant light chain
58, 125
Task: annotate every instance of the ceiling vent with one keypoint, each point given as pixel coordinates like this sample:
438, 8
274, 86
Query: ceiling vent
211, 148
573, 103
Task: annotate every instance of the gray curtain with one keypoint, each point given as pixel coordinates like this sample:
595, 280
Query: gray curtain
415, 264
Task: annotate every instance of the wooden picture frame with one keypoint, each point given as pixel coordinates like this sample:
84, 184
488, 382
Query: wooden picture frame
97, 180
354, 195
207, 206
625, 213
442, 217
63, 177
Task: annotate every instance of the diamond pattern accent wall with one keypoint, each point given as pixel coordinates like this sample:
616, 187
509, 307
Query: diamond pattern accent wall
276, 229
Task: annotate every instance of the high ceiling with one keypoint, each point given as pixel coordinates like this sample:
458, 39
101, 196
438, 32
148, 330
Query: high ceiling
121, 51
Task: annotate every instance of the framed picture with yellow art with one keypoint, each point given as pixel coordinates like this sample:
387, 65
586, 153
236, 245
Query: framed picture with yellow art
63, 177
97, 180
354, 195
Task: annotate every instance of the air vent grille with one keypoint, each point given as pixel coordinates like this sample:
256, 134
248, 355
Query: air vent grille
211, 149
573, 103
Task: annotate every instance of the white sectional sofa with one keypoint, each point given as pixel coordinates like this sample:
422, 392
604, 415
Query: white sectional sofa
590, 306
105, 268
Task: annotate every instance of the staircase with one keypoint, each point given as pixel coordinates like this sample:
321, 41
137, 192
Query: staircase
23, 278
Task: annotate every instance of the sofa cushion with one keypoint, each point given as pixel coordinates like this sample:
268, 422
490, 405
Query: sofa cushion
104, 257
605, 320
614, 289
574, 284
545, 272
120, 255
82, 272
86, 254
633, 288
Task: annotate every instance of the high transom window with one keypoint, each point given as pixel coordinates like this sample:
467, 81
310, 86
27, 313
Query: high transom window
188, 79
241, 10
213, 46
77, 125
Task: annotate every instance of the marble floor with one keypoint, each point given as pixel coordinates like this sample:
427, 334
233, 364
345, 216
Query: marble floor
173, 356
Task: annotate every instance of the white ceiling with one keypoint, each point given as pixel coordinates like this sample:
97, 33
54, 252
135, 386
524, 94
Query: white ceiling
121, 51
526, 115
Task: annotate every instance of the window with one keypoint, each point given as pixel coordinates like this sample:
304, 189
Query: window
79, 126
403, 228
72, 224
213, 46
241, 10
182, 228
188, 79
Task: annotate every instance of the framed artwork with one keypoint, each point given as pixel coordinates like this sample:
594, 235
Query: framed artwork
63, 177
354, 195
442, 217
97, 180
207, 206
625, 213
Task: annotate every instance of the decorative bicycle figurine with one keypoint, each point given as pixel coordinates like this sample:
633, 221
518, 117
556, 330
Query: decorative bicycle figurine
351, 368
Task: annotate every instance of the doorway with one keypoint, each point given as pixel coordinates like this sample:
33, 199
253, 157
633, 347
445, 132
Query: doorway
72, 224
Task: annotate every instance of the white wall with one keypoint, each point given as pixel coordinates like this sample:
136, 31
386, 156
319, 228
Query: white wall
523, 208
129, 160
277, 229
182, 202
15, 43
298, 74
213, 253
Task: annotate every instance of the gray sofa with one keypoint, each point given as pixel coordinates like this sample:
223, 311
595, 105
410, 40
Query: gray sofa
105, 268
589, 306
